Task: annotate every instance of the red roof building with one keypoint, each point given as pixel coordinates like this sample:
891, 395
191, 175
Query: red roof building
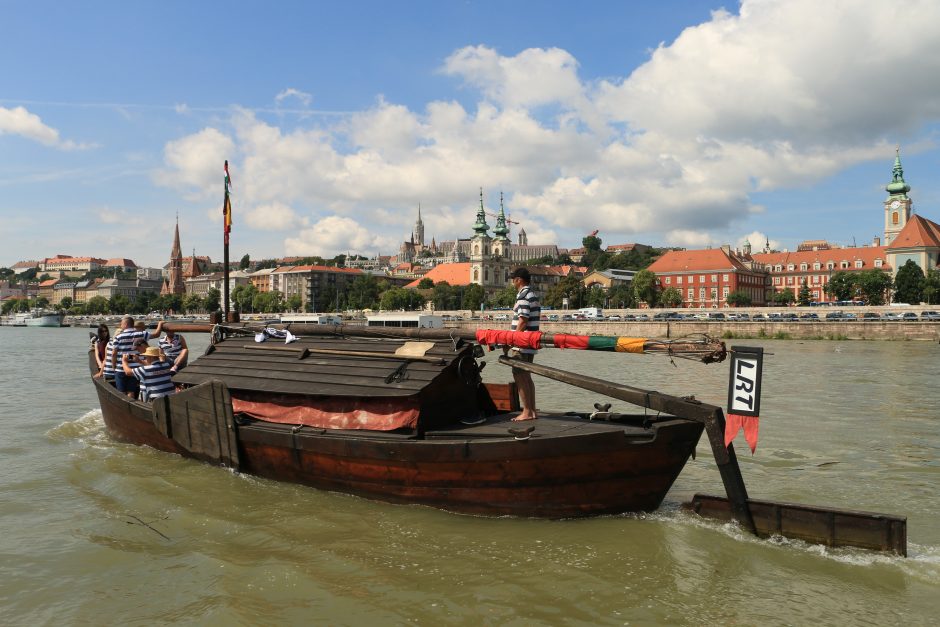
704, 278
918, 241
790, 270
452, 273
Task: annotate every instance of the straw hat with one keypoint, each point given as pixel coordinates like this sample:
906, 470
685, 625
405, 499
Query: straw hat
152, 351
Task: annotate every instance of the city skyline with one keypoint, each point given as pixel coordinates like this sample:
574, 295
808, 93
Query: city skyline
686, 124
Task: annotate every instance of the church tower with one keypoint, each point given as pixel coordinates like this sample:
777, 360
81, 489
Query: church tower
174, 282
419, 231
480, 248
523, 238
501, 242
898, 204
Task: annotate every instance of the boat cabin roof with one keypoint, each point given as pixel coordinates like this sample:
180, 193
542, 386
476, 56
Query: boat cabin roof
325, 366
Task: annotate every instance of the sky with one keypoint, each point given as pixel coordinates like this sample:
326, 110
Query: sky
690, 124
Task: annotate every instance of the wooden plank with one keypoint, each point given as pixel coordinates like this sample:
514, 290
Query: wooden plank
816, 524
505, 396
203, 424
342, 384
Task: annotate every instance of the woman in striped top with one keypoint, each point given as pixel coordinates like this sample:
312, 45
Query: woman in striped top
106, 367
154, 374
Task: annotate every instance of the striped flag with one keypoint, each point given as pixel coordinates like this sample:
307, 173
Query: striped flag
227, 205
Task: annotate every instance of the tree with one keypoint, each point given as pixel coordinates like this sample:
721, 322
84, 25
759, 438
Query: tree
671, 297
42, 302
473, 297
363, 292
245, 263
505, 297
622, 295
592, 250
738, 298
173, 302
804, 297
192, 303
909, 283
9, 306
96, 305
874, 285
444, 296
295, 302
243, 296
119, 304
596, 297
213, 299
400, 298
932, 287
841, 286
425, 284
785, 297
66, 302
644, 287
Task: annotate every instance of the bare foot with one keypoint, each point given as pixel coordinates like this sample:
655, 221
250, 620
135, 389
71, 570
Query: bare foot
524, 416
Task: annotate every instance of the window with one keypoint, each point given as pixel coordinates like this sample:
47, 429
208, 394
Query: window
790, 267
844, 265
803, 266
691, 293
815, 294
778, 268
714, 293
724, 292
878, 263
715, 278
701, 278
858, 263
701, 293
830, 266
668, 280
678, 280
724, 277
815, 279
776, 280
817, 266
789, 280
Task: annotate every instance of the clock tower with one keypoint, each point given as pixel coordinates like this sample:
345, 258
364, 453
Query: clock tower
897, 204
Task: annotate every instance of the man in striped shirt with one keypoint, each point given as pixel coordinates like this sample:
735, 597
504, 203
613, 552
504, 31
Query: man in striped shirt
124, 344
525, 317
153, 374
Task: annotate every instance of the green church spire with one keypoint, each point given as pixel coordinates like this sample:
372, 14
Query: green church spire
501, 230
897, 186
481, 227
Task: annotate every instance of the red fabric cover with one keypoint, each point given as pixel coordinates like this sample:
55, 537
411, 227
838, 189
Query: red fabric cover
518, 339
736, 422
380, 414
578, 342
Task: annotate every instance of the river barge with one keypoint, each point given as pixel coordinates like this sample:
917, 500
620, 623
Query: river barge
404, 421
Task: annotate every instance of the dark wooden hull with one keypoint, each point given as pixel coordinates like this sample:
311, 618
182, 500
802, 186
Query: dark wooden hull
570, 467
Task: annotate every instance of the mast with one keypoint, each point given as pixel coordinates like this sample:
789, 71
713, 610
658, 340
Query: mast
227, 219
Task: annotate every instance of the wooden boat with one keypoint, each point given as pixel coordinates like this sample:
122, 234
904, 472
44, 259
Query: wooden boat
402, 421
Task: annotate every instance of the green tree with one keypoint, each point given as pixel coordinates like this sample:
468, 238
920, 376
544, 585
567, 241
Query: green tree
785, 296
473, 297
9, 306
874, 286
909, 284
932, 287
173, 302
425, 284
119, 304
66, 302
841, 286
213, 299
245, 262
399, 298
243, 297
505, 297
295, 302
592, 250
363, 292
804, 298
96, 305
596, 297
42, 302
622, 295
444, 296
192, 303
644, 287
738, 298
671, 297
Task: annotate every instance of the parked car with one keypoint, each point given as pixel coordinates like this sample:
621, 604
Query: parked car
642, 318
553, 317
871, 316
850, 316
891, 316
834, 315
614, 318
929, 315
809, 317
789, 317
663, 315
501, 317
909, 316
759, 317
715, 315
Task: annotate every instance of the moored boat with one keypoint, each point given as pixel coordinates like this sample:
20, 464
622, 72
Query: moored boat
44, 319
402, 421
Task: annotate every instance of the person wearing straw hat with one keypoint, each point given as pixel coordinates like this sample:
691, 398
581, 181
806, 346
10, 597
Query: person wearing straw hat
154, 374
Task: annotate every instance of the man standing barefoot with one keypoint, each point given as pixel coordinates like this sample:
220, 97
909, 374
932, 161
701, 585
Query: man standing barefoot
525, 317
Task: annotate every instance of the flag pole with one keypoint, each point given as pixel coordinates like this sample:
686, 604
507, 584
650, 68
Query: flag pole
227, 226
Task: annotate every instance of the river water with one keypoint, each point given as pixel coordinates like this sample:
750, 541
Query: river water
100, 533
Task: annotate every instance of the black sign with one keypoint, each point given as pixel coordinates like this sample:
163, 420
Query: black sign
747, 364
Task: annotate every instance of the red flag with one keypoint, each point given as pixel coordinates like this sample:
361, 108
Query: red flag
736, 422
227, 205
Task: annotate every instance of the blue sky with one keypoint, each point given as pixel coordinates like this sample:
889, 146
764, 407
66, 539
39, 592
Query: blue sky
675, 123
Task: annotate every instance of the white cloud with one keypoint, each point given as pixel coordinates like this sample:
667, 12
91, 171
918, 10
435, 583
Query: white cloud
778, 96
758, 240
304, 98
19, 121
271, 217
335, 235
194, 163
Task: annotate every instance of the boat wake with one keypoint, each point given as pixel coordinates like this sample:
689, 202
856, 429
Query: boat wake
88, 426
